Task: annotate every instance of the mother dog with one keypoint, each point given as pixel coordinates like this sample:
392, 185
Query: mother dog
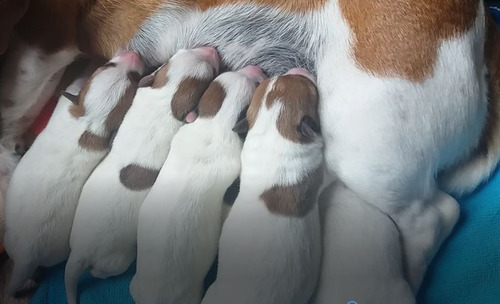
409, 89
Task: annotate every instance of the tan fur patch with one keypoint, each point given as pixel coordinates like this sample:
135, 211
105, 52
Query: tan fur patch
294, 200
400, 38
258, 96
106, 25
187, 96
212, 100
293, 6
300, 98
137, 178
161, 77
93, 142
11, 12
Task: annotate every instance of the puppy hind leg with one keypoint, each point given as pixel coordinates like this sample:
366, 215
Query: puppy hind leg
424, 225
20, 279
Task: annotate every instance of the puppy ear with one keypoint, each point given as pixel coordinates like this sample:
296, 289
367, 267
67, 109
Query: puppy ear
241, 126
308, 127
147, 81
71, 97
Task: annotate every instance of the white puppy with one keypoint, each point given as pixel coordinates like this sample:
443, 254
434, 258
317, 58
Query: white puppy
104, 230
270, 244
362, 257
180, 220
45, 187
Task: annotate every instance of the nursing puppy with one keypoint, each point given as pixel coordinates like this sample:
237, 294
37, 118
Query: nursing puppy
362, 257
45, 187
104, 230
270, 243
180, 220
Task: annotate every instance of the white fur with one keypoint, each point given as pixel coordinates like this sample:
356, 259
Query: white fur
362, 255
387, 138
45, 187
104, 231
29, 79
180, 220
8, 162
268, 258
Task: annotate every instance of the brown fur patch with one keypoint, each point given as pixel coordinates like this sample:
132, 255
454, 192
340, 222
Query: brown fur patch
212, 100
106, 25
93, 142
294, 200
293, 6
187, 96
137, 178
300, 98
49, 24
400, 38
258, 96
11, 12
116, 115
161, 77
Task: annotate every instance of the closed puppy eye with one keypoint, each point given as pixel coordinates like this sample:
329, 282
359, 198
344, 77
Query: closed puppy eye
109, 65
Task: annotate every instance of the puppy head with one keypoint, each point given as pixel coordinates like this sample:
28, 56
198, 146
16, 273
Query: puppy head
229, 95
189, 73
289, 103
108, 93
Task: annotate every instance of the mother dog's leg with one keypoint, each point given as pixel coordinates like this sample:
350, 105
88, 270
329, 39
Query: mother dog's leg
404, 97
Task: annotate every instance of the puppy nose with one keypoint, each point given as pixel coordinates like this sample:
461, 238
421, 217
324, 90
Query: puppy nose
303, 72
254, 73
132, 60
211, 55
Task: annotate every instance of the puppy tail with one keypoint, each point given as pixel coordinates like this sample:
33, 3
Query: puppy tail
74, 269
482, 163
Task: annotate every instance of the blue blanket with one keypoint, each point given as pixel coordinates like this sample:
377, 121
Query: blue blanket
465, 271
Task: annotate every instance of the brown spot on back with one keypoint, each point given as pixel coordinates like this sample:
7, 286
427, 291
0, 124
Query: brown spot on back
299, 97
161, 77
116, 115
187, 96
93, 142
294, 200
211, 101
400, 38
137, 178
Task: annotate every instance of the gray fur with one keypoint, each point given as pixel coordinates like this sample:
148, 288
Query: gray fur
243, 34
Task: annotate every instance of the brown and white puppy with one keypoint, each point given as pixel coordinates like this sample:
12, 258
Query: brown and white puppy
43, 193
104, 232
404, 97
270, 245
180, 219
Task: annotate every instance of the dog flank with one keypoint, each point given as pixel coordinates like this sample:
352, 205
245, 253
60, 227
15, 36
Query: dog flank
137, 178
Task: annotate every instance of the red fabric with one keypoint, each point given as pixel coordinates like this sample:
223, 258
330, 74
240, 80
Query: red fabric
41, 121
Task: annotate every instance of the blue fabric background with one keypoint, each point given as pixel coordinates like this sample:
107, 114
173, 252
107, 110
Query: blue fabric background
465, 271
